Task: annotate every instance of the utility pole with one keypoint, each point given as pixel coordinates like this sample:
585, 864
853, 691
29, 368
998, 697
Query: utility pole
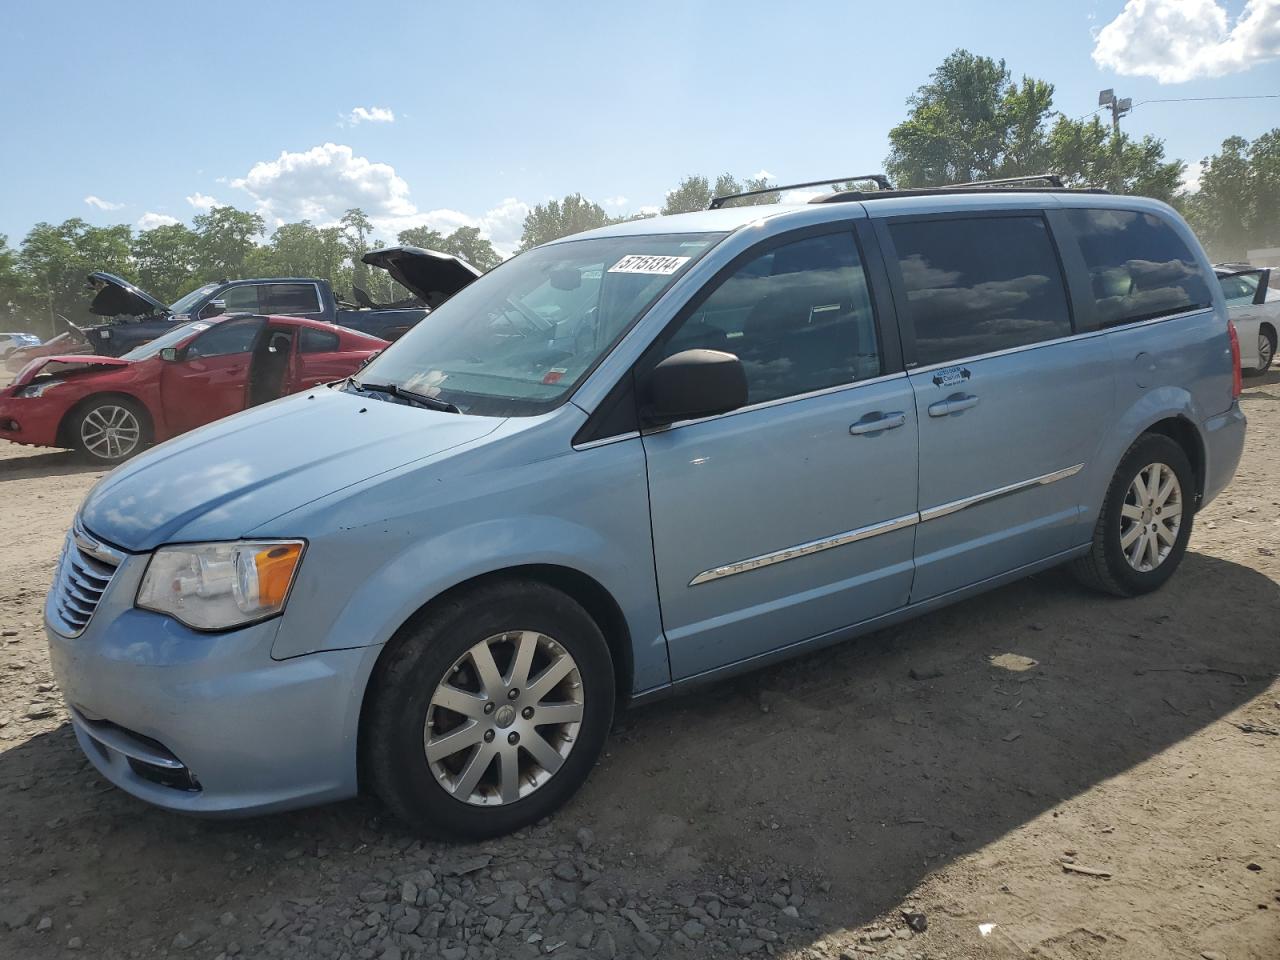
1108, 98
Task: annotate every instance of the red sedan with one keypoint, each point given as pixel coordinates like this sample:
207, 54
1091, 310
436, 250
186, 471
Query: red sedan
109, 408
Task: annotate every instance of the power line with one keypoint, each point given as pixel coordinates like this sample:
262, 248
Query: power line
1252, 96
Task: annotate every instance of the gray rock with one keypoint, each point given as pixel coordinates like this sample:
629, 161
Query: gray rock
75, 943
493, 928
791, 912
227, 919
635, 918
585, 838
409, 892
648, 943
409, 922
390, 952
374, 895
183, 941
453, 953
564, 870
693, 930
45, 924
748, 945
502, 908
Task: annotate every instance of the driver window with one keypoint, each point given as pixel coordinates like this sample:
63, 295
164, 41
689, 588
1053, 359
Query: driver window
242, 299
798, 316
230, 337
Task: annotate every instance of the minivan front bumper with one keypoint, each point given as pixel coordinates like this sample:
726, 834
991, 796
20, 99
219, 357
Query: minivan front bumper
205, 723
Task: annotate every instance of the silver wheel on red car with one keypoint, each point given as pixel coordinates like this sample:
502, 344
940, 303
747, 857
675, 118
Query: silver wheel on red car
109, 430
1151, 517
504, 719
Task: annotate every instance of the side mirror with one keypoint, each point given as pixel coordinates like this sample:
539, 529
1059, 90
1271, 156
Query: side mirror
169, 353
694, 383
214, 308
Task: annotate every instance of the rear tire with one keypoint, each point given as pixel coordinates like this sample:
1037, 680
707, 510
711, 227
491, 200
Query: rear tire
109, 429
484, 667
1145, 521
1266, 350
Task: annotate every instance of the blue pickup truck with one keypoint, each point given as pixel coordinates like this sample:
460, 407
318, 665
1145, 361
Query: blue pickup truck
136, 316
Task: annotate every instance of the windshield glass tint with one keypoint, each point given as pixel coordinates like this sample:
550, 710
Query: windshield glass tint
517, 340
170, 339
185, 304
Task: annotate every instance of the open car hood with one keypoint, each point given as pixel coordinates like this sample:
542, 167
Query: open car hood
432, 276
120, 298
71, 363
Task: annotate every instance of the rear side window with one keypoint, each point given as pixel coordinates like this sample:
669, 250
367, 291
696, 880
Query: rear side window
318, 341
294, 298
980, 285
798, 316
1139, 268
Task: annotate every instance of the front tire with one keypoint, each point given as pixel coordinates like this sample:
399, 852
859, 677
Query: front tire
1266, 351
1145, 522
109, 430
489, 713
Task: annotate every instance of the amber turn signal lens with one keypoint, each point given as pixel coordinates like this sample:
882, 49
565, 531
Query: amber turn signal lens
275, 572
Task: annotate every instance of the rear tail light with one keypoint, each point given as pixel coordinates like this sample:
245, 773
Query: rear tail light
1237, 384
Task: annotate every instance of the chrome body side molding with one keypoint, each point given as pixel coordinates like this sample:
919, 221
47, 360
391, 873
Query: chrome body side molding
876, 529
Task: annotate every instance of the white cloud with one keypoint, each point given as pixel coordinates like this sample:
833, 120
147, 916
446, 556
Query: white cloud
202, 201
149, 220
501, 225
1179, 40
1191, 178
101, 204
615, 202
763, 174
321, 183
369, 115
650, 210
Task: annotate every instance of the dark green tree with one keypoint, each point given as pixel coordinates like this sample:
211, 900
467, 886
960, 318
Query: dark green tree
55, 262
696, 192
166, 261
423, 237
466, 242
1237, 207
226, 241
559, 218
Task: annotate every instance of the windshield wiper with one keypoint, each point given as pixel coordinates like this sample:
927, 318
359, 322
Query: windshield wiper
391, 390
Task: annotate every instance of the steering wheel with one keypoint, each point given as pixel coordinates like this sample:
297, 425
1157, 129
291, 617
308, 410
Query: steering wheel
536, 323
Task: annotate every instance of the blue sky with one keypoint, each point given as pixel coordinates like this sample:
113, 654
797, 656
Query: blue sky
153, 110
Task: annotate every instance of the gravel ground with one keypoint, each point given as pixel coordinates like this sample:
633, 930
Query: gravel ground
955, 787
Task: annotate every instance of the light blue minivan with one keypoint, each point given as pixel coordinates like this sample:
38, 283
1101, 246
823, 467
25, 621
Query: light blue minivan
633, 460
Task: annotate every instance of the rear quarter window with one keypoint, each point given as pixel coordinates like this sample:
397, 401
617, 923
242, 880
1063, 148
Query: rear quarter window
318, 341
1139, 267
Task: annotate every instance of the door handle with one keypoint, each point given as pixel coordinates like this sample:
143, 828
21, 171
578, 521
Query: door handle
884, 421
953, 404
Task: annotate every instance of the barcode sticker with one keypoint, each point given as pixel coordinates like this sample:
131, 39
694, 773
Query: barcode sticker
643, 263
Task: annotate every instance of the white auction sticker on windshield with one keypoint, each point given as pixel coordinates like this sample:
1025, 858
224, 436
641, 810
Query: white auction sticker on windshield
645, 263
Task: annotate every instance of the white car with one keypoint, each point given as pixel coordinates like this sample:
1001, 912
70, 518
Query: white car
10, 342
1254, 307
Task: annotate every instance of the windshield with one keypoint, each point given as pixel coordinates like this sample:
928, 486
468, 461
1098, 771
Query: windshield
184, 304
170, 339
517, 340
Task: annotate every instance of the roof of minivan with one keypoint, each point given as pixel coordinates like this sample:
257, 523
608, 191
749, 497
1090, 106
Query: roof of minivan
728, 219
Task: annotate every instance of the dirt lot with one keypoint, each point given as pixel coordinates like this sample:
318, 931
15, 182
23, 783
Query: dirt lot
795, 813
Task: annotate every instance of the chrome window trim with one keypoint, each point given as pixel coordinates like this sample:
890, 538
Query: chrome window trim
876, 529
1102, 332
605, 441
954, 506
806, 549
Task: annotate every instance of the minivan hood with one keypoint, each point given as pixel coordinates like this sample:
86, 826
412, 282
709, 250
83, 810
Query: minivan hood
431, 276
226, 479
120, 298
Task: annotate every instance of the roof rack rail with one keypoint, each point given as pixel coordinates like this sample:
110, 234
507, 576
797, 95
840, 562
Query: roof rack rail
879, 179
1052, 179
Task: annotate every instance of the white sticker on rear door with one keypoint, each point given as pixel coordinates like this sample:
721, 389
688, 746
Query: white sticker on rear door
645, 263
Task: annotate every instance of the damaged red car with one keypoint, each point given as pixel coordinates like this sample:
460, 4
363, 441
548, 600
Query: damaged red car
110, 408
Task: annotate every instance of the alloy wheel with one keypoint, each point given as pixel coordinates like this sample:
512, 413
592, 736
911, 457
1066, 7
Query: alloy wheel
1151, 517
1265, 350
504, 718
110, 432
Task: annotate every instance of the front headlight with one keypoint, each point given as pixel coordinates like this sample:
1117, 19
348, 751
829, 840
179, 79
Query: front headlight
216, 586
36, 389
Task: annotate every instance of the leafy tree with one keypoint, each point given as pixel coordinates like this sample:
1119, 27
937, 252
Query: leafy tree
1086, 153
56, 261
166, 261
1237, 207
970, 122
13, 301
423, 237
696, 193
356, 230
559, 218
304, 250
225, 241
466, 242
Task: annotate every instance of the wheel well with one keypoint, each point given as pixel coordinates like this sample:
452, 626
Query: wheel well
585, 590
1181, 432
1270, 331
64, 427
